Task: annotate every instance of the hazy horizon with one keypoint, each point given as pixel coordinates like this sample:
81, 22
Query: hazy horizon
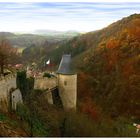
62, 16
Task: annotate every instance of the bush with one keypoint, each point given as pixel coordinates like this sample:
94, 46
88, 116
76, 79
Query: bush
25, 84
23, 112
34, 126
30, 83
22, 83
2, 117
47, 75
79, 125
6, 119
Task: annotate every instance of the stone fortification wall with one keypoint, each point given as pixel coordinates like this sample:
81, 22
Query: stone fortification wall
44, 83
67, 85
16, 98
6, 84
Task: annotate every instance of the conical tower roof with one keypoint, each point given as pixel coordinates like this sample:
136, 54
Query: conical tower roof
65, 65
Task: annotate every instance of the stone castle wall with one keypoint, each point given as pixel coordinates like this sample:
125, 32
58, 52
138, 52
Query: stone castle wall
6, 84
45, 83
16, 98
66, 84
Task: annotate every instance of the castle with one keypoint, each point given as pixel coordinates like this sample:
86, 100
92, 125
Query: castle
65, 82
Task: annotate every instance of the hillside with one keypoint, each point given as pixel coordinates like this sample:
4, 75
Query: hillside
108, 64
10, 126
110, 69
83, 42
86, 42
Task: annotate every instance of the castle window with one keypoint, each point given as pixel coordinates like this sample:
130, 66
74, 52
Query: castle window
65, 83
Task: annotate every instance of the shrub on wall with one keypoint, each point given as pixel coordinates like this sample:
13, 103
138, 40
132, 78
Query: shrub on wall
25, 84
47, 75
30, 84
22, 82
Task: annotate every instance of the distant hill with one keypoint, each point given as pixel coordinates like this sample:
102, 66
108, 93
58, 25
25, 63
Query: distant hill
37, 38
7, 34
56, 33
23, 40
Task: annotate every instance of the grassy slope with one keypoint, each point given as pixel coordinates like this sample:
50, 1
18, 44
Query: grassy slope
10, 126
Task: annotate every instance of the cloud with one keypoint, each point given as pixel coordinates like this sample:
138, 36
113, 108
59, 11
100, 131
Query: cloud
63, 16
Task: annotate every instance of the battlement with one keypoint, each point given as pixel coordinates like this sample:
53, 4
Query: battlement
7, 77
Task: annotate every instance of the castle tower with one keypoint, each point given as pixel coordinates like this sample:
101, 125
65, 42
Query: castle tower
67, 83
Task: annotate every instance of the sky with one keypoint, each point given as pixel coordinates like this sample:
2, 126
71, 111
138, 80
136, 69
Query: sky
63, 16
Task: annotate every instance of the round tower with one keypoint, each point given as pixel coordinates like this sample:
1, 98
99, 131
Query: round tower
67, 83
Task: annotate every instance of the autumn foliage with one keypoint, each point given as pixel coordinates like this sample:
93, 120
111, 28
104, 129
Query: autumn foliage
113, 72
88, 107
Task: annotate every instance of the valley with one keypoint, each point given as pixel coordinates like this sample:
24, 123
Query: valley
107, 64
